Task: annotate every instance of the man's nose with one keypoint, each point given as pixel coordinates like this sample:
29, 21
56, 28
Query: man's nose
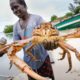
15, 10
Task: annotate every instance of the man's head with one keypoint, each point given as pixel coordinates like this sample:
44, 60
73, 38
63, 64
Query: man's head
18, 7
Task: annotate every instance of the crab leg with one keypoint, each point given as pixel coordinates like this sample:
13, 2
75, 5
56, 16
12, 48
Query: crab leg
64, 51
73, 35
30, 54
19, 43
74, 50
69, 60
61, 44
20, 63
25, 68
12, 50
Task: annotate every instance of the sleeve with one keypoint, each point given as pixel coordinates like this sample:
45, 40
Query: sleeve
15, 33
40, 20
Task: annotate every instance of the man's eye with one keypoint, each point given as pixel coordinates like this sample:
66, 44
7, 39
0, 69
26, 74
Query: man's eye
15, 7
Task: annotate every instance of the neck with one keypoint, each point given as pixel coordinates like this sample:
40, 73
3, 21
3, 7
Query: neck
25, 17
24, 21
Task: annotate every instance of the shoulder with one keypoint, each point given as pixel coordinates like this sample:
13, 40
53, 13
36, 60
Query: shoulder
35, 16
15, 26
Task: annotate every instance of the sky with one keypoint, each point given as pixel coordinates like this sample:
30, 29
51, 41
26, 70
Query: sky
44, 8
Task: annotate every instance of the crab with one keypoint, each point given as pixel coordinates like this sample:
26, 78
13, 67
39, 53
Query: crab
49, 37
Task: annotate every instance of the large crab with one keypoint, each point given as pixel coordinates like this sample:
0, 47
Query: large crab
47, 35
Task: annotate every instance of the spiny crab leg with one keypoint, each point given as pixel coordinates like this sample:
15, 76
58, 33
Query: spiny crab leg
61, 44
23, 66
64, 51
73, 35
74, 50
11, 53
69, 60
19, 43
30, 54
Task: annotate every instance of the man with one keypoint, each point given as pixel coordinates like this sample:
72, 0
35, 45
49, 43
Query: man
23, 30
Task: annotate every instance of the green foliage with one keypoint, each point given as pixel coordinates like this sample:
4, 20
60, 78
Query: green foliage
54, 17
77, 2
8, 29
72, 8
69, 14
75, 9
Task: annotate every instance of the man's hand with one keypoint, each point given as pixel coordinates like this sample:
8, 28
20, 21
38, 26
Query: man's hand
3, 42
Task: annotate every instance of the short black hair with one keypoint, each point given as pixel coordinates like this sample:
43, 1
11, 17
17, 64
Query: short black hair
22, 2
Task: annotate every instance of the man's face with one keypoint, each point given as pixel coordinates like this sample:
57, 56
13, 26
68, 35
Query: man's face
18, 9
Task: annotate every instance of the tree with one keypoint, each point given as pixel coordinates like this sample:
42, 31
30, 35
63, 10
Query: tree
72, 8
54, 17
69, 14
77, 2
8, 29
75, 9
